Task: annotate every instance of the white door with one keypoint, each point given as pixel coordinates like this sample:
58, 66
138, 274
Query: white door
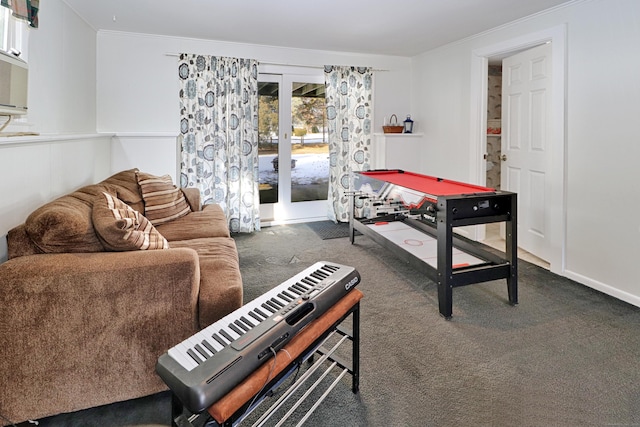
293, 148
526, 155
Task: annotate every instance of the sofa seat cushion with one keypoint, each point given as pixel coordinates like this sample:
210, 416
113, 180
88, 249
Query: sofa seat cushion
209, 222
120, 228
220, 279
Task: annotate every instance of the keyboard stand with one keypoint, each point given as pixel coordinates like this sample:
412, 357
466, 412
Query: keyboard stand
316, 344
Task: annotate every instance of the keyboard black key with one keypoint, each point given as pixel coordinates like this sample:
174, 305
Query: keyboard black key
201, 351
226, 335
242, 326
209, 347
254, 313
194, 356
308, 282
247, 322
261, 313
268, 307
289, 295
284, 297
220, 340
318, 275
299, 287
297, 290
235, 329
276, 302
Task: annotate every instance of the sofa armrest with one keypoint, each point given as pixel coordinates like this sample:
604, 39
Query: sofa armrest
193, 198
82, 330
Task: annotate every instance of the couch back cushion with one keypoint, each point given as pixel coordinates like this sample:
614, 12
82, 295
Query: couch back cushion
65, 224
125, 185
163, 201
120, 228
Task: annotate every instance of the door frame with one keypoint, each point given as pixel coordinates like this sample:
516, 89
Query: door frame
478, 127
285, 211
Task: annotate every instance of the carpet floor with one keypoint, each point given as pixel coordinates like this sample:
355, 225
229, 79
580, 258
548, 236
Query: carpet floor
565, 356
330, 230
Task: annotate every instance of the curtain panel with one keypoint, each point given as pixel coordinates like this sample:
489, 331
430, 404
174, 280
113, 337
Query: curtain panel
27, 10
219, 134
348, 102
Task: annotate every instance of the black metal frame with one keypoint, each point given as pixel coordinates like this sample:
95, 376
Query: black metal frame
182, 418
450, 212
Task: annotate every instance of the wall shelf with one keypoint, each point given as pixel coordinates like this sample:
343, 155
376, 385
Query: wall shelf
403, 135
49, 138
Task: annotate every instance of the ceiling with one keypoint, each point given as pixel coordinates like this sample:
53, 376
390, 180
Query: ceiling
397, 27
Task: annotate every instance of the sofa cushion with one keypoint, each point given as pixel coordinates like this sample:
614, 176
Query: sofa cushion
65, 225
163, 201
209, 222
220, 280
125, 187
120, 228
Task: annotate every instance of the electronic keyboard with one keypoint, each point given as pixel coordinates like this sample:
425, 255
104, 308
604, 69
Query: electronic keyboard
203, 368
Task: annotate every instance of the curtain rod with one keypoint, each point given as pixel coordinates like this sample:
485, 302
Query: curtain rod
319, 67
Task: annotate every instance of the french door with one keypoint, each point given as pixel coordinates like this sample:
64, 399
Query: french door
293, 148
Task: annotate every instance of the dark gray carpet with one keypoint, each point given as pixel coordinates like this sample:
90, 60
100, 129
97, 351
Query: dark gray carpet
565, 356
330, 230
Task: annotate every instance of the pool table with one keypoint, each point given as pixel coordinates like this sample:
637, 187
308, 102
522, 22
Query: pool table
414, 216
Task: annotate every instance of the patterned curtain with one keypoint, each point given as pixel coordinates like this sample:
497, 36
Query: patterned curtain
219, 135
348, 96
26, 10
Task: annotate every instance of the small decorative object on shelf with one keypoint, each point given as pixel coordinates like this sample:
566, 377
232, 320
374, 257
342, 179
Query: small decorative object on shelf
494, 127
408, 125
393, 126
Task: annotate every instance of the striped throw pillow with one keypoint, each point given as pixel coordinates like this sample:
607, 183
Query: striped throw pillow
120, 228
163, 201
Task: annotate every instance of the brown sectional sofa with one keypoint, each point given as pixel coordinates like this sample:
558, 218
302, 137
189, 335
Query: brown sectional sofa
82, 325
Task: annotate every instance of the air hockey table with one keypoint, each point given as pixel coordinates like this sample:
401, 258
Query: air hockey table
414, 216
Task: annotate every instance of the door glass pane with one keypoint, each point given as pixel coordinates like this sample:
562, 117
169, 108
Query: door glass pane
268, 131
309, 144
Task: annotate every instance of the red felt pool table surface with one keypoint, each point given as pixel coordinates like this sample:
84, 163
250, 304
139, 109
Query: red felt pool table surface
426, 184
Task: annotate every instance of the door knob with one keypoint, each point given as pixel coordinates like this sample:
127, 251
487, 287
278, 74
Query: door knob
503, 157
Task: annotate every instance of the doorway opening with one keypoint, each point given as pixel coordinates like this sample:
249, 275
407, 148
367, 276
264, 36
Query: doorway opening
555, 202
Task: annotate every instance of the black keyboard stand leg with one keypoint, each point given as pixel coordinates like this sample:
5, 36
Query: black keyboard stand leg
182, 418
177, 410
355, 377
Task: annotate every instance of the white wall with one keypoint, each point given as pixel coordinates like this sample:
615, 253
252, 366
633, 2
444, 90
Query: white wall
62, 106
138, 88
35, 170
62, 72
602, 150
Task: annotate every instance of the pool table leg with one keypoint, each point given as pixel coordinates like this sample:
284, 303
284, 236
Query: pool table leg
445, 258
511, 250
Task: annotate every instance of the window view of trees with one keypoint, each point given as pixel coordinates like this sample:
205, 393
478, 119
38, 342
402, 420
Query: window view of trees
309, 117
309, 145
268, 122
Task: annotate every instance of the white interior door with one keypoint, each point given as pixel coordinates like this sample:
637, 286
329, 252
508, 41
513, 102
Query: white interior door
526, 154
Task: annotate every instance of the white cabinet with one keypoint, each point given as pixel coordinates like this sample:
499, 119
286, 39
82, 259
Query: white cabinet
397, 151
